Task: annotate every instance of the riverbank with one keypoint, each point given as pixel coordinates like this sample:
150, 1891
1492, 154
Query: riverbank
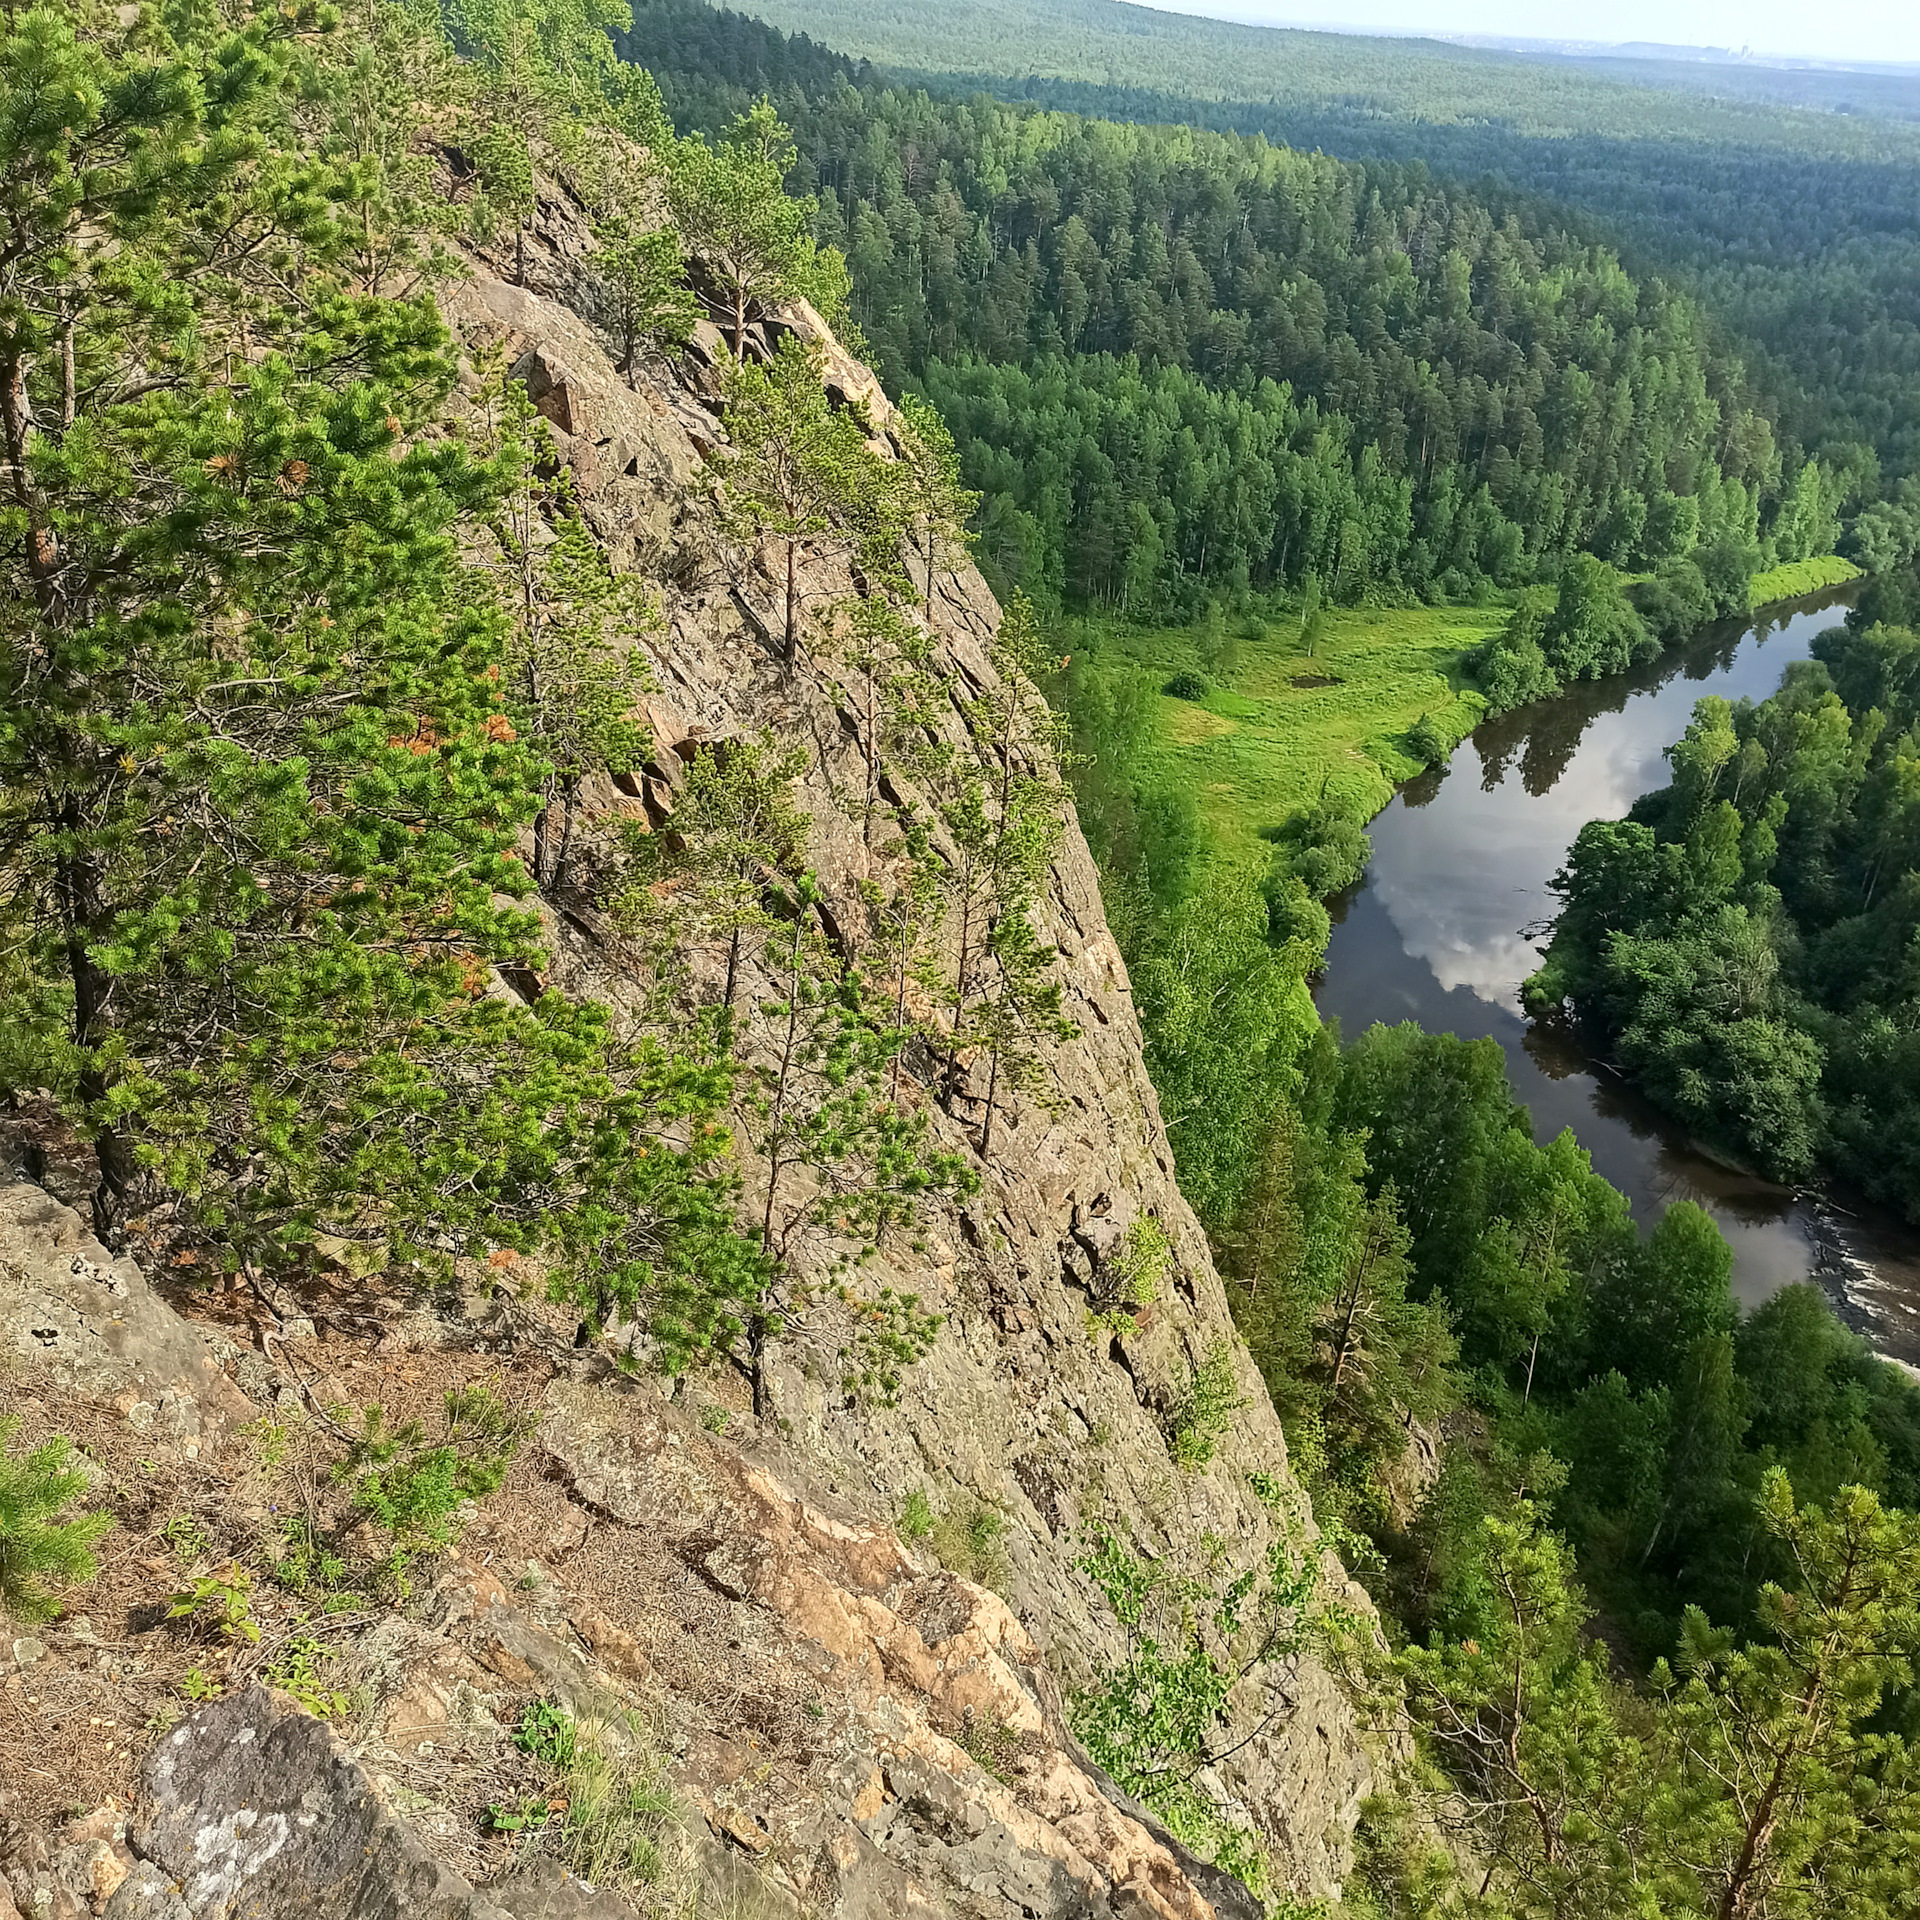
1274, 724
1450, 919
1798, 578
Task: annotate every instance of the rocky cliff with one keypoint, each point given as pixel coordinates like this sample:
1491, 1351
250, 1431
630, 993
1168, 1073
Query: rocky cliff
845, 1724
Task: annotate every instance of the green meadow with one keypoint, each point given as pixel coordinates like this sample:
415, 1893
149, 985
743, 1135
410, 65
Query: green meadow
1279, 721
1795, 577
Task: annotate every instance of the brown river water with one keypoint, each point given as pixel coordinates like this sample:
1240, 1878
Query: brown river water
1451, 918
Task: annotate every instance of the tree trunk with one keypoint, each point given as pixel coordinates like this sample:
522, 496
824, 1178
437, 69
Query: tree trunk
1753, 1843
568, 807
759, 1322
960, 984
792, 629
43, 545
993, 1082
69, 387
873, 768
77, 888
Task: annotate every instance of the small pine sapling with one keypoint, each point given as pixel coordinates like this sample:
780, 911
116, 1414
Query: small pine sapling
797, 469
842, 1163
42, 1547
933, 502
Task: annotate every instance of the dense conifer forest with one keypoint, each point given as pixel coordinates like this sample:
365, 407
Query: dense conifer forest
1795, 225
1182, 365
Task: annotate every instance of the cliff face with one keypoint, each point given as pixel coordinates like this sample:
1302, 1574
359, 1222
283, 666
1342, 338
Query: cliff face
855, 1727
1020, 1405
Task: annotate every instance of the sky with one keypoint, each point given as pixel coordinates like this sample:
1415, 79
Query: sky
1839, 30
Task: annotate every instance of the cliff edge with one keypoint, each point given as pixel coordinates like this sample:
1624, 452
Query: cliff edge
753, 1610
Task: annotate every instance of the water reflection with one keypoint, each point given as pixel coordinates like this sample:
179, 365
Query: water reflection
1451, 920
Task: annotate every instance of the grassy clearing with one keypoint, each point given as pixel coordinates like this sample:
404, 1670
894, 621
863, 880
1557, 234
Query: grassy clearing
1796, 577
1263, 738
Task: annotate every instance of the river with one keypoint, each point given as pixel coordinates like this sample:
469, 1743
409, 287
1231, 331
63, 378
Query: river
1451, 918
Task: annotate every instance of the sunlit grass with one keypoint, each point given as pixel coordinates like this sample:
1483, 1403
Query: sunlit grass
1258, 745
1795, 577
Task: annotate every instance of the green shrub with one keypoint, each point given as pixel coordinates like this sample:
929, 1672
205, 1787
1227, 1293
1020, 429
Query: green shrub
413, 1488
1324, 846
39, 1551
298, 1671
546, 1733
1153, 1719
1201, 1419
219, 1605
1293, 914
1188, 684
1131, 1275
1429, 741
916, 1516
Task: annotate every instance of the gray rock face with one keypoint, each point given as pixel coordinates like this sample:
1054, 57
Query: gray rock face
259, 1815
70, 1311
1054, 1421
851, 1728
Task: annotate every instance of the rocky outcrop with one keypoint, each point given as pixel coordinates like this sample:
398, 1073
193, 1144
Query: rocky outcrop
1055, 1421
845, 1724
88, 1323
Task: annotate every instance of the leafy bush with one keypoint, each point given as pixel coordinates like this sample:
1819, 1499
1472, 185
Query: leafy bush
1512, 666
1429, 741
218, 1606
916, 1516
1293, 914
1131, 1275
1200, 1421
1152, 1720
298, 1671
546, 1733
40, 1551
1324, 846
412, 1488
1188, 684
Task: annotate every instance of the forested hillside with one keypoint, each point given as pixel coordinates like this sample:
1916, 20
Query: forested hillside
1181, 365
1796, 227
542, 909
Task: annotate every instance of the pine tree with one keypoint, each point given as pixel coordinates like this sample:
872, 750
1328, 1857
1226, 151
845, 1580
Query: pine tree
260, 792
1524, 1716
896, 691
1005, 812
729, 199
571, 676
935, 506
1776, 1790
737, 839
546, 72
649, 306
842, 1164
798, 469
40, 1550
